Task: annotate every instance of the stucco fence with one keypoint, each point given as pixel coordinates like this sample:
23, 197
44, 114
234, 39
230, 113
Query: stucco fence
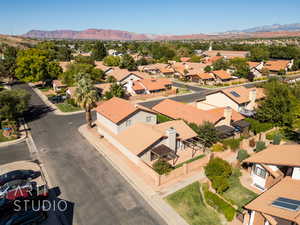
166, 93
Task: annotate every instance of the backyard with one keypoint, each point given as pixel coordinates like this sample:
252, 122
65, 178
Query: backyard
188, 202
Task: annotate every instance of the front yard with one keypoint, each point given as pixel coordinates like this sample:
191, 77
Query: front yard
4, 139
237, 194
66, 107
188, 202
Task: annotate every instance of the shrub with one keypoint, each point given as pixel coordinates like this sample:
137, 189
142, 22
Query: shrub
233, 144
258, 127
220, 184
217, 148
162, 167
276, 139
71, 101
217, 167
242, 154
260, 145
252, 143
219, 204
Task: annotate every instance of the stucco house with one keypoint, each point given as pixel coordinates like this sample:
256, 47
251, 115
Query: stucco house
276, 172
58, 85
255, 68
241, 99
222, 76
274, 66
123, 76
148, 86
133, 129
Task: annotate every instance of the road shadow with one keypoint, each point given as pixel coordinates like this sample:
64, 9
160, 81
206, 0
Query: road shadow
36, 112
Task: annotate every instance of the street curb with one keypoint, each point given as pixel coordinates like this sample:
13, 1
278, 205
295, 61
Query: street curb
168, 214
13, 142
50, 104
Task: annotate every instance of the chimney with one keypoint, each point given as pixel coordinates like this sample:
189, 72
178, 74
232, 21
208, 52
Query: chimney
227, 116
171, 138
252, 98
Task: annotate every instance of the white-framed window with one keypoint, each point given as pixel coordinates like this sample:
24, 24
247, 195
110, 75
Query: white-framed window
148, 118
128, 123
260, 172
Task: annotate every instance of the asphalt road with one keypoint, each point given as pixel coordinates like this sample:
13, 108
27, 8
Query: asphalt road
99, 194
15, 152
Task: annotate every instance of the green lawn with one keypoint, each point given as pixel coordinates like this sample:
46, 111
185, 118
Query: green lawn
183, 91
3, 139
188, 202
237, 193
65, 107
190, 160
44, 88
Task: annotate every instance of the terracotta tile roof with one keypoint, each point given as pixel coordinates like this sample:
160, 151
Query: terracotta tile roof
178, 110
285, 155
117, 109
101, 66
153, 84
64, 65
104, 87
213, 59
286, 188
206, 76
137, 86
222, 74
185, 59
183, 130
58, 83
139, 137
276, 65
120, 74
219, 113
243, 93
253, 64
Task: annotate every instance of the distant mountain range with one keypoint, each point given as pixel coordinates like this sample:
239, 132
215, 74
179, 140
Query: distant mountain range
275, 30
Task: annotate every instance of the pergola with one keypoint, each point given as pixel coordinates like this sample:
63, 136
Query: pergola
195, 144
164, 152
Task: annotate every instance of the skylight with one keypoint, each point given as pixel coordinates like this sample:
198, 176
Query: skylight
286, 203
235, 94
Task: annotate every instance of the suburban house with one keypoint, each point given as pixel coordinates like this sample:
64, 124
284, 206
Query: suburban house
276, 171
220, 117
255, 68
157, 69
204, 78
227, 54
114, 52
101, 88
221, 76
123, 76
135, 132
101, 66
148, 86
58, 85
274, 66
241, 99
187, 70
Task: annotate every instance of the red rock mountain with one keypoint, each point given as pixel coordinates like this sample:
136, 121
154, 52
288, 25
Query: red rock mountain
102, 34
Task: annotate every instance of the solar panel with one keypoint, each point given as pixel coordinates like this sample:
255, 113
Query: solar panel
235, 94
286, 203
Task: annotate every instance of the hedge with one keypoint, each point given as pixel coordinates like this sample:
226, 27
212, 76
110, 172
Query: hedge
233, 144
219, 204
162, 167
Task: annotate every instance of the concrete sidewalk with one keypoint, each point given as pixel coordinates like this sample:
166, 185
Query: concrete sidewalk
153, 198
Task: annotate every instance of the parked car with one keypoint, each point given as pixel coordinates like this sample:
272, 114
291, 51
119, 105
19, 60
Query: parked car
18, 175
16, 185
25, 218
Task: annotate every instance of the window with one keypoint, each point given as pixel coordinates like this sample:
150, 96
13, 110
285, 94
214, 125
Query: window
148, 118
260, 172
128, 123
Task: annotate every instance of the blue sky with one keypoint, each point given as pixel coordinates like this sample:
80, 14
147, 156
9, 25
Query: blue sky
152, 16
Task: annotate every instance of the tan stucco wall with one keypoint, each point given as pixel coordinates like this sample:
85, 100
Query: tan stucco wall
219, 100
107, 123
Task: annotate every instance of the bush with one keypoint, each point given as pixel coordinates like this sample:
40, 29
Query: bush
258, 127
162, 167
71, 101
217, 148
242, 155
220, 184
276, 139
233, 144
260, 145
219, 204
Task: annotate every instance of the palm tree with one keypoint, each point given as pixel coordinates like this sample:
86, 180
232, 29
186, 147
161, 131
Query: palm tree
86, 97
